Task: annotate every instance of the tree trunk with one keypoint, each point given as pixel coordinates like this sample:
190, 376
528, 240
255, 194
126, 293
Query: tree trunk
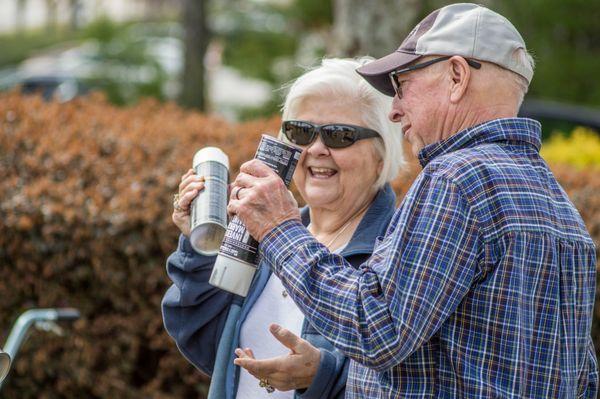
75, 10
20, 15
51, 15
196, 41
375, 28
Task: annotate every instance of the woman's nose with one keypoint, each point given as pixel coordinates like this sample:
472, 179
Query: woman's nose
317, 147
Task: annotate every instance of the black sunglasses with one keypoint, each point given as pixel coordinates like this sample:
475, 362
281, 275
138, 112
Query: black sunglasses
397, 84
333, 135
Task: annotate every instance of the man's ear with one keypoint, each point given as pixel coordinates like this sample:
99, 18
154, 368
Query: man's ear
460, 73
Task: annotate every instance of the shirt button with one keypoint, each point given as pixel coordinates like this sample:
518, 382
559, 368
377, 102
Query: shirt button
284, 293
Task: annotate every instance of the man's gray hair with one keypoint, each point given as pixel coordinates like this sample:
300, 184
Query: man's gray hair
522, 84
517, 83
336, 79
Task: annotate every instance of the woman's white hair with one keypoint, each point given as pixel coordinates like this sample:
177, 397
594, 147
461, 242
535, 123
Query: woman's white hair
337, 79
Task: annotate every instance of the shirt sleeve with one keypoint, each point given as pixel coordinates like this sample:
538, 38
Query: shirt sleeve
382, 312
194, 312
330, 380
591, 387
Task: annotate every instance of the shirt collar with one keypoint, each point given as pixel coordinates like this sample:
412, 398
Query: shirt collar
521, 131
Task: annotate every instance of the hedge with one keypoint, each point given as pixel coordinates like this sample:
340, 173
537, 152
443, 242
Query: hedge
85, 211
581, 148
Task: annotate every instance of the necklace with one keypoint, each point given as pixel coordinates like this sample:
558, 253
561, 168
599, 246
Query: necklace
345, 226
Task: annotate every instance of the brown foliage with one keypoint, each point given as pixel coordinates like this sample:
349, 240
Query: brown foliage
85, 209
85, 220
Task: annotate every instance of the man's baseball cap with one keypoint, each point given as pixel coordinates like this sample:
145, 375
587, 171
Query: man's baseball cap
468, 30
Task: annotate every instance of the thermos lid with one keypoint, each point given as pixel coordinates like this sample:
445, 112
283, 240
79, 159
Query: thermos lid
211, 154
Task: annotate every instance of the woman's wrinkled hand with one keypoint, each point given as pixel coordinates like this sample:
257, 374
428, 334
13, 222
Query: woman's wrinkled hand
293, 371
189, 188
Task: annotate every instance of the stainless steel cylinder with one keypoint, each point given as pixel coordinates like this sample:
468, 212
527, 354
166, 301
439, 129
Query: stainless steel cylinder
208, 217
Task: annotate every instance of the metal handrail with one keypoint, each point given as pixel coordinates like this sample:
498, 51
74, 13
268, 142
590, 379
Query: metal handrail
44, 319
4, 365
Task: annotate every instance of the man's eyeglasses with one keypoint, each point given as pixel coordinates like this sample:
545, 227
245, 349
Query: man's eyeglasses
334, 135
397, 84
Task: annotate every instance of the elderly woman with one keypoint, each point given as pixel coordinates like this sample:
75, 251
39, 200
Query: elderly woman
351, 152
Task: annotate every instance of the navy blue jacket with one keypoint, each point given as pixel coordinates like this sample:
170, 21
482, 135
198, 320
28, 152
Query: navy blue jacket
195, 312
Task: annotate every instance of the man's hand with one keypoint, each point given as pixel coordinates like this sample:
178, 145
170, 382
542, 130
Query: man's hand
260, 199
293, 371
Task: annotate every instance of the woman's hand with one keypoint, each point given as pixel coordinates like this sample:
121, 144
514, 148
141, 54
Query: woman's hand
190, 186
293, 371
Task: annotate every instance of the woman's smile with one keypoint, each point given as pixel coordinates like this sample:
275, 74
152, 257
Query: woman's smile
321, 173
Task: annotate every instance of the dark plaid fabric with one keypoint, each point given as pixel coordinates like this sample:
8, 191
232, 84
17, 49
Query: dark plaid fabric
483, 286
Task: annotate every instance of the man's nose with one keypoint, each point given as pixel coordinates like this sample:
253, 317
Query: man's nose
396, 112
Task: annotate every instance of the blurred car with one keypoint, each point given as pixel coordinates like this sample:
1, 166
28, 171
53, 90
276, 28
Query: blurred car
53, 87
560, 115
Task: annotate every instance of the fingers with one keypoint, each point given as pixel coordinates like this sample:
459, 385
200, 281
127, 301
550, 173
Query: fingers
189, 178
248, 181
257, 168
185, 178
189, 193
245, 353
242, 182
245, 180
286, 337
191, 184
258, 368
188, 173
278, 378
286, 372
235, 193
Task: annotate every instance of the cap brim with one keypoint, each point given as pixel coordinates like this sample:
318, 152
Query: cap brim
376, 72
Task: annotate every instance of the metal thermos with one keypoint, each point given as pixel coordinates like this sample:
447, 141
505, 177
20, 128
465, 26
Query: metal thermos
238, 257
208, 218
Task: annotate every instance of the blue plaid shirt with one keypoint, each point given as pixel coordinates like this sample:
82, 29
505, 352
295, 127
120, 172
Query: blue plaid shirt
483, 286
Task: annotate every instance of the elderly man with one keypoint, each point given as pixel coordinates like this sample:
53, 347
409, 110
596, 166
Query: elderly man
484, 283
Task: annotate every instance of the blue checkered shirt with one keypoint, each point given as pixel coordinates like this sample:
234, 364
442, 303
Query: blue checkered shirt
483, 286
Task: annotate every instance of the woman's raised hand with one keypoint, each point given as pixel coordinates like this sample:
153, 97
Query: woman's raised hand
191, 184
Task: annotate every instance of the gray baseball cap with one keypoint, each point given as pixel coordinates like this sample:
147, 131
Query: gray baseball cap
468, 30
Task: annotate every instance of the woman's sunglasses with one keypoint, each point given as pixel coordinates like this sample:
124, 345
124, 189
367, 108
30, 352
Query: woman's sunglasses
333, 135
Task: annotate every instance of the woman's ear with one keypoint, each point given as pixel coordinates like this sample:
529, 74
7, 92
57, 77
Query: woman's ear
460, 73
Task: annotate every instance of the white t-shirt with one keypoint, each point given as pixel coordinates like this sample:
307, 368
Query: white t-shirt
273, 305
